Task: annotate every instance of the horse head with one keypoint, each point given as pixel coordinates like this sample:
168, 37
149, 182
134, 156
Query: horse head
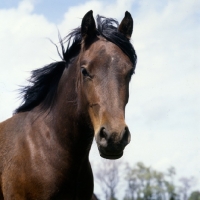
105, 72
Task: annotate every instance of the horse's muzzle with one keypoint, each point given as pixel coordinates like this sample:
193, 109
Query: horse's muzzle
111, 144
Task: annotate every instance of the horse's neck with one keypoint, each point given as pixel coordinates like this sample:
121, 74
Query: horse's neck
71, 126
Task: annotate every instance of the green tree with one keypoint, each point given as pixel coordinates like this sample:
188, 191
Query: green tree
142, 182
195, 196
171, 172
159, 185
187, 183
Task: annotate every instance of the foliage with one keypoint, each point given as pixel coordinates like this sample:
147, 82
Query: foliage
108, 177
145, 183
195, 196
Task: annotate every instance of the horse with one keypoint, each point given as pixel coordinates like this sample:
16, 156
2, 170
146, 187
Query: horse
44, 146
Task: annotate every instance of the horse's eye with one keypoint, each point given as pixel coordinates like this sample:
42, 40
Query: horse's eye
84, 72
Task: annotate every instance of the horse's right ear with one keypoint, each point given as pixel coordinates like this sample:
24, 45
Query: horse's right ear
88, 27
126, 26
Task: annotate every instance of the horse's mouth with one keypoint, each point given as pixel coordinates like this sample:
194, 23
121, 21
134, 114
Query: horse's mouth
111, 156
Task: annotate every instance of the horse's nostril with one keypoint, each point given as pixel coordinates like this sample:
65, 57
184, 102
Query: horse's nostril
103, 134
126, 136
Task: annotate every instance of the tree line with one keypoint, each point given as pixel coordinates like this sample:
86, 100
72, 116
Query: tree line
141, 182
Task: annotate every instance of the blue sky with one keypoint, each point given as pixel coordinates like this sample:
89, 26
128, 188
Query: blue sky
53, 10
164, 107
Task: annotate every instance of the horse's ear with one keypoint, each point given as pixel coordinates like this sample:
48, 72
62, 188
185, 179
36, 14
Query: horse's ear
88, 27
126, 26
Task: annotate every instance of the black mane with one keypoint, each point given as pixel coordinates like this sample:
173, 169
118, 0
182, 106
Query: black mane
44, 81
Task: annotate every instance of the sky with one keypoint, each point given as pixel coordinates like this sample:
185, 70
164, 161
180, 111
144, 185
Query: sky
164, 106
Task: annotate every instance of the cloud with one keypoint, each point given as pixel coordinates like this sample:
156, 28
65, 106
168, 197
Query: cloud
74, 14
163, 111
24, 46
25, 6
167, 63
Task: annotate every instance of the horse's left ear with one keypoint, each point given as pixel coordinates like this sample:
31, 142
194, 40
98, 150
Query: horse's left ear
126, 26
88, 27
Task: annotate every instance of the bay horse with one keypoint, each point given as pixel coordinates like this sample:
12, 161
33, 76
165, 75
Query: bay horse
44, 146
